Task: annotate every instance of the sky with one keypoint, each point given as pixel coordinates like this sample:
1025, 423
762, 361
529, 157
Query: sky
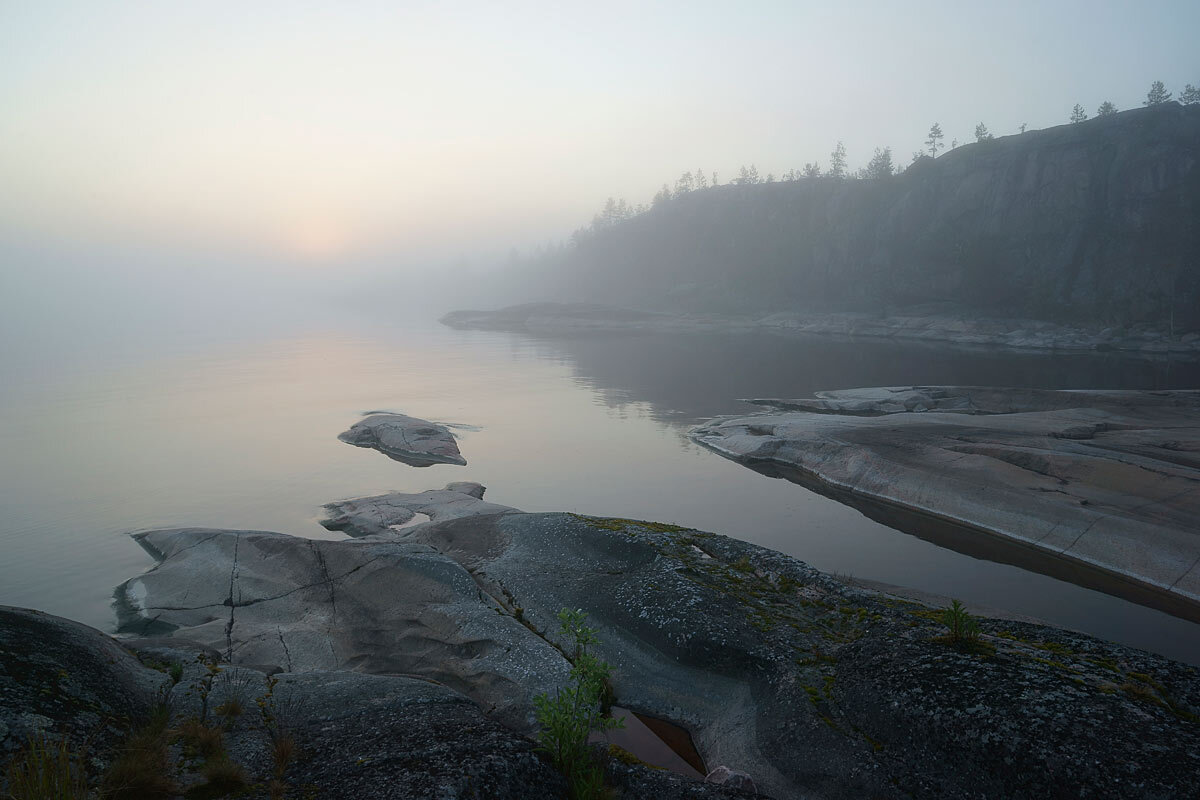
390, 136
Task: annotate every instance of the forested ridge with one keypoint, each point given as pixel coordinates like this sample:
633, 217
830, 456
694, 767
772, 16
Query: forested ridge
1096, 222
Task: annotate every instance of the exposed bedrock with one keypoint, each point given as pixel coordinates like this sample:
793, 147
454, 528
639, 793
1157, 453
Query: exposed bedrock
64, 679
409, 440
365, 516
1106, 479
813, 687
383, 606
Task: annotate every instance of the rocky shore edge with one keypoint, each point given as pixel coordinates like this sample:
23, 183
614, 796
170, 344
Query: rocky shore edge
1107, 481
403, 662
916, 325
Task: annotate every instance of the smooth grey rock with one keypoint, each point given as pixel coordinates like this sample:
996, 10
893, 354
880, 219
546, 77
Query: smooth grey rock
374, 605
378, 514
409, 440
1110, 479
65, 679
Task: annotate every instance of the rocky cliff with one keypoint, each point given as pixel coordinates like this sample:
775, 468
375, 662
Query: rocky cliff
1095, 222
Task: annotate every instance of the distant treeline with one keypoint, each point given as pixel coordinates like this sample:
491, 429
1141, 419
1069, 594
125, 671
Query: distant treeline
880, 165
1095, 222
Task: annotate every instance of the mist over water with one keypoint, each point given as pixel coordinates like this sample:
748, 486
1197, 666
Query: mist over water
135, 403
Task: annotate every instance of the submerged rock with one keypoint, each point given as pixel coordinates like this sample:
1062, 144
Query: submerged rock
1108, 479
409, 440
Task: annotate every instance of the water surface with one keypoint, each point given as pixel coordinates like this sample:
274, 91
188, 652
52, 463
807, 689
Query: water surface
232, 422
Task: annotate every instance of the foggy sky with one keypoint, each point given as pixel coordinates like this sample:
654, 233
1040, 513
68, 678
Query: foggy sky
389, 133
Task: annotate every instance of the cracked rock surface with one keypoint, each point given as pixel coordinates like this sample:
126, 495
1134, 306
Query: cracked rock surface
409, 440
379, 605
1108, 479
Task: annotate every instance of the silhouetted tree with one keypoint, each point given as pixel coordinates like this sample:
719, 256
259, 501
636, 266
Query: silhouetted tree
1023, 125
685, 184
812, 170
770, 177
663, 196
1190, 95
1157, 95
934, 142
747, 177
1106, 108
701, 181
981, 133
1078, 114
953, 143
837, 162
880, 165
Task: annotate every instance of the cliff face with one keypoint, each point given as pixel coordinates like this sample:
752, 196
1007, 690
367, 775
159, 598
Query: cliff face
1095, 222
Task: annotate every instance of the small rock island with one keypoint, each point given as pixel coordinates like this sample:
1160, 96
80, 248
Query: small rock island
409, 440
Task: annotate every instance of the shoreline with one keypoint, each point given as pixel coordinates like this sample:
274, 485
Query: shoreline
1036, 485
962, 330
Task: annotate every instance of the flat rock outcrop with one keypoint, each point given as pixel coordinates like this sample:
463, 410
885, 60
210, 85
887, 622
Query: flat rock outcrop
392, 606
811, 686
1108, 479
409, 440
366, 516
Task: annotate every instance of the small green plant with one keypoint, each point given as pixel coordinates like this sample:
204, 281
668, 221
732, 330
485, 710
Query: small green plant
568, 718
176, 672
964, 630
47, 770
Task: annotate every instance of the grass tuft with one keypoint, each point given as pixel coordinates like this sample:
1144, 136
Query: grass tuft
47, 770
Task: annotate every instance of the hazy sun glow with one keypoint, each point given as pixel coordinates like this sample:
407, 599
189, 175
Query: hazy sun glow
319, 131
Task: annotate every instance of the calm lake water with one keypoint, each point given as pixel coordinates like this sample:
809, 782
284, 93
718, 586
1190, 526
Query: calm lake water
118, 425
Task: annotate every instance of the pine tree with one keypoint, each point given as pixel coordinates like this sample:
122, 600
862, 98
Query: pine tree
1106, 108
1078, 114
1190, 95
1157, 95
880, 165
934, 142
837, 162
981, 133
812, 170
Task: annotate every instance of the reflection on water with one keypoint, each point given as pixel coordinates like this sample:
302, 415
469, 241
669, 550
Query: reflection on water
240, 431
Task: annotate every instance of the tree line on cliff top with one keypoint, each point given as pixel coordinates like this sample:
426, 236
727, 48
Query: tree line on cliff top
880, 165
